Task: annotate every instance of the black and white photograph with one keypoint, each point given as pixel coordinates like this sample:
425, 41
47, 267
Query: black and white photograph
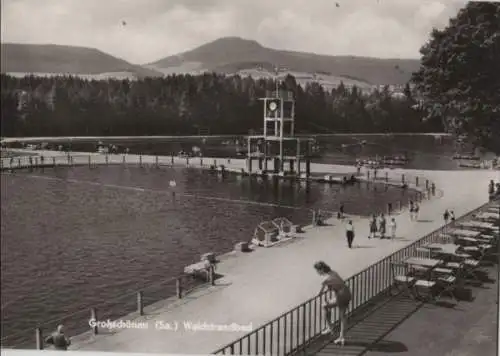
234, 177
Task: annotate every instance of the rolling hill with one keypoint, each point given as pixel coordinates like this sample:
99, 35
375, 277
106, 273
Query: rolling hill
229, 55
233, 55
22, 59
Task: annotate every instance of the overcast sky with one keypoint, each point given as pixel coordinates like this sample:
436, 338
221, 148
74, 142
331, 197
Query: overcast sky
157, 28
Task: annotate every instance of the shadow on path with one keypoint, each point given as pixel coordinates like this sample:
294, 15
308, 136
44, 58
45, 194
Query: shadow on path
368, 326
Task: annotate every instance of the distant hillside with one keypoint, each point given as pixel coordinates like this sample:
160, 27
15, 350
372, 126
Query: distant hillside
20, 59
231, 55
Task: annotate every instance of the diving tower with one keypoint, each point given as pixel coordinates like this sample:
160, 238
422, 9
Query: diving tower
278, 150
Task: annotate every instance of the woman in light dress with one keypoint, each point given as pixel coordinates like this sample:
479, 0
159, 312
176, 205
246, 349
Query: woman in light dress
392, 226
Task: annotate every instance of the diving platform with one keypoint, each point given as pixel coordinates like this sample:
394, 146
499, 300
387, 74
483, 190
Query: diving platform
278, 150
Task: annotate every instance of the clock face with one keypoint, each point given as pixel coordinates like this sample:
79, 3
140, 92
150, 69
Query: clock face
273, 106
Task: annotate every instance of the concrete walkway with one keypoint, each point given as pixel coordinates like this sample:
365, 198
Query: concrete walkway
259, 286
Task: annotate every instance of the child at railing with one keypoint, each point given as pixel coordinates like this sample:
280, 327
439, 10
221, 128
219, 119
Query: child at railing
58, 339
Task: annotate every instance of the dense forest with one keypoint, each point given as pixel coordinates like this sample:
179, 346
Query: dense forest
186, 105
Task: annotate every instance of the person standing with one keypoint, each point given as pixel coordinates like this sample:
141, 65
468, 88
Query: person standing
341, 210
446, 216
373, 227
59, 339
491, 188
349, 231
452, 216
416, 210
392, 226
341, 298
412, 210
382, 226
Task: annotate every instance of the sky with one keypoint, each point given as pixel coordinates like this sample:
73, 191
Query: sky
143, 31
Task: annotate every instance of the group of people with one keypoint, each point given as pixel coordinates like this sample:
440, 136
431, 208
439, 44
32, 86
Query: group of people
379, 225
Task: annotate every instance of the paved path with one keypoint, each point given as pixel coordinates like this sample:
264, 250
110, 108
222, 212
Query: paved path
259, 286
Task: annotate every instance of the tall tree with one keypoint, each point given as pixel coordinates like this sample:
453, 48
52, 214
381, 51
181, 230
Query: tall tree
459, 77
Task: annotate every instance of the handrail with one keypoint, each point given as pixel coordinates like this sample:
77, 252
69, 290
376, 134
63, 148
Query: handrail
281, 336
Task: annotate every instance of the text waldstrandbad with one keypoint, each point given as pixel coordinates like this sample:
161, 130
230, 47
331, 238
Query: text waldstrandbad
170, 326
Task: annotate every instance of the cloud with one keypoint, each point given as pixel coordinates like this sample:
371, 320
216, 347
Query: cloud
158, 28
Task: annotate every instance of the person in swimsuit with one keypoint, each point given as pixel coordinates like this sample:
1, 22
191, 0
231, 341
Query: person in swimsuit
341, 298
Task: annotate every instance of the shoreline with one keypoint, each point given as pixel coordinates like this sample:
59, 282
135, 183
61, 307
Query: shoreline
6, 140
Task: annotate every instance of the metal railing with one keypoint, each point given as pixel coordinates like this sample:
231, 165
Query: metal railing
292, 332
128, 306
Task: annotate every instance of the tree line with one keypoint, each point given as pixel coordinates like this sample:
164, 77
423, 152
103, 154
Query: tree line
188, 105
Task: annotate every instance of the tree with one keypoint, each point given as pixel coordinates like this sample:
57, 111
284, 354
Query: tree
459, 77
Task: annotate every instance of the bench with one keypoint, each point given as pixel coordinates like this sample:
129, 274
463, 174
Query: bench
198, 269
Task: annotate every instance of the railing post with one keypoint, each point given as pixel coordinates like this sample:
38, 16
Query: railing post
69, 159
187, 161
140, 160
140, 305
368, 174
386, 176
93, 317
90, 161
156, 161
178, 287
172, 159
403, 178
54, 161
314, 221
201, 162
215, 162
18, 163
39, 339
107, 159
123, 159
416, 181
